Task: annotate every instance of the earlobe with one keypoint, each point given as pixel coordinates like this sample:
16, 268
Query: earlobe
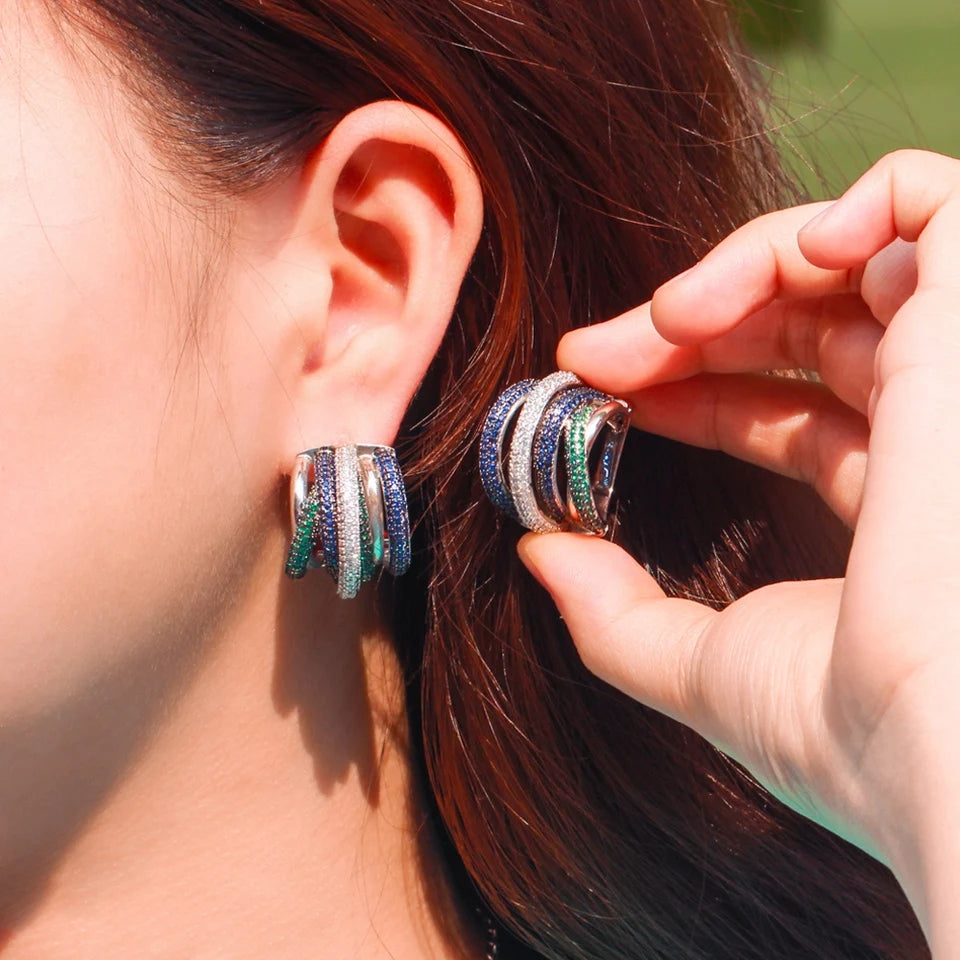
401, 211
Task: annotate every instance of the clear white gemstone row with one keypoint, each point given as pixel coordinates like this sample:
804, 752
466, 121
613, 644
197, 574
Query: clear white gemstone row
521, 450
348, 521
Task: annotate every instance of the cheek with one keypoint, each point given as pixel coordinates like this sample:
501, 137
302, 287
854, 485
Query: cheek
116, 461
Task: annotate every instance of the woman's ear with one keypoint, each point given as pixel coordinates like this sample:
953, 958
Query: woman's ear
374, 240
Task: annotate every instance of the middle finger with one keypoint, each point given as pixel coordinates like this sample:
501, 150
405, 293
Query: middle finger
756, 264
834, 335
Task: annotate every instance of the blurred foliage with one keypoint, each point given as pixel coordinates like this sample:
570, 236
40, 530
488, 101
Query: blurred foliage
776, 24
851, 80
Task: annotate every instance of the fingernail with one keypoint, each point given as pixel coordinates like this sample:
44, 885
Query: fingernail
819, 219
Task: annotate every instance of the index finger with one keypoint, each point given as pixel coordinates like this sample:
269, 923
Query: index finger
755, 265
908, 194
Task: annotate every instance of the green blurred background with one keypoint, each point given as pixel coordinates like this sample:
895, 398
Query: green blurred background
853, 79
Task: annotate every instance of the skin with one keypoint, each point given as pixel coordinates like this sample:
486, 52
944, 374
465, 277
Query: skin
184, 732
840, 695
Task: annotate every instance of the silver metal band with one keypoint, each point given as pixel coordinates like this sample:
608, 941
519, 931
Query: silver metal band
300, 480
559, 411
606, 429
348, 513
373, 495
521, 450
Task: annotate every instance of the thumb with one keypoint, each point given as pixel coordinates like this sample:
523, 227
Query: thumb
626, 630
748, 678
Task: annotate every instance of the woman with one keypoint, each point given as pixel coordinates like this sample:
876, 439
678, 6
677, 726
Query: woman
237, 229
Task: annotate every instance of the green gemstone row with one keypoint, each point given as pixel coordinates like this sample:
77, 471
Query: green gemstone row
367, 562
304, 537
578, 477
301, 544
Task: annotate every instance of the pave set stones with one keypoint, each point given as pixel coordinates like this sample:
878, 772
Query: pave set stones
521, 468
348, 521
325, 462
547, 442
395, 506
349, 514
491, 443
578, 478
348, 504
521, 477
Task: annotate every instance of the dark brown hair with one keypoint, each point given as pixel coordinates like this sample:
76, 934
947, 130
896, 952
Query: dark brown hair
616, 141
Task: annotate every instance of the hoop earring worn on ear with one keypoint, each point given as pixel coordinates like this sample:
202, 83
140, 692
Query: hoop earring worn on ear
348, 510
521, 467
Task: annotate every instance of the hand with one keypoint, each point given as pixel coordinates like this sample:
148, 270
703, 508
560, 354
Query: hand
841, 696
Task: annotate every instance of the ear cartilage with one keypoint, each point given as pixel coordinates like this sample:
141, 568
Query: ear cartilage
521, 466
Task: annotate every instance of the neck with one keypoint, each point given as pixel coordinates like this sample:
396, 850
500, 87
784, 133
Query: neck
267, 811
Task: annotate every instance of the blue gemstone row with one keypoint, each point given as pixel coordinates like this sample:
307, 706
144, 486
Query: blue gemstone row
491, 468
314, 541
395, 508
547, 442
606, 464
326, 475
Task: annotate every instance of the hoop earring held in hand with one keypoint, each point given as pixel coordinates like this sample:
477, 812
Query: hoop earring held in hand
348, 510
521, 466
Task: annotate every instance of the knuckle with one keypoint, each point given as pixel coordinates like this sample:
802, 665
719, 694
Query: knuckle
599, 650
801, 333
898, 160
713, 414
762, 236
804, 451
694, 674
901, 156
784, 335
923, 334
